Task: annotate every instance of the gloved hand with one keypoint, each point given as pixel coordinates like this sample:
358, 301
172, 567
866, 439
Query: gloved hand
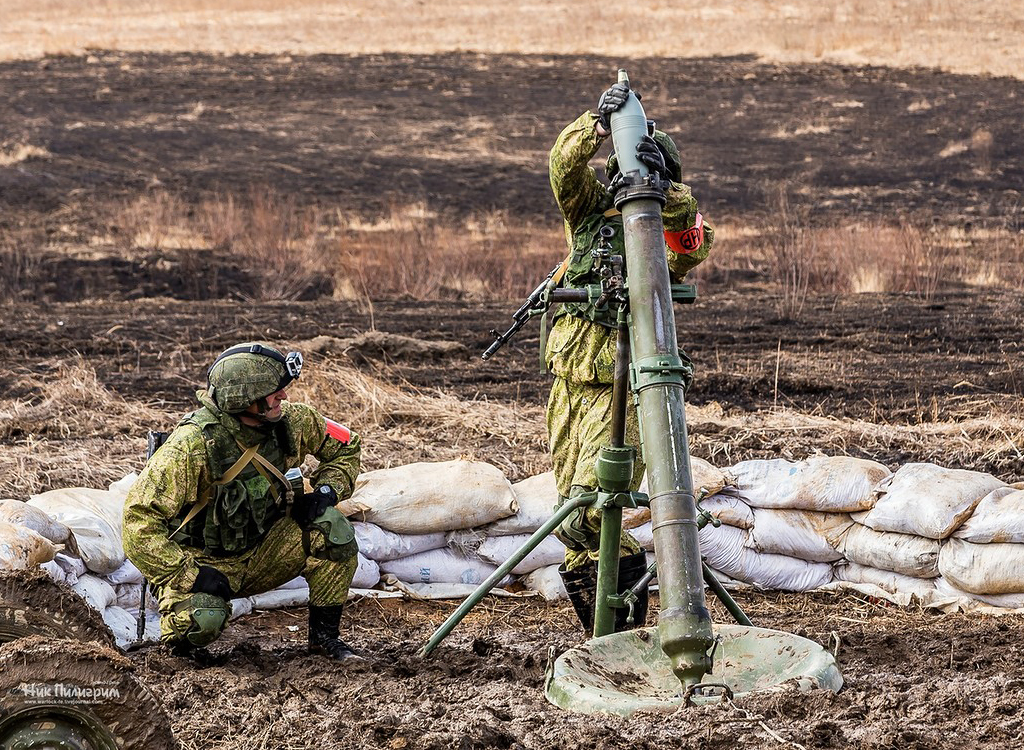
311, 505
613, 98
650, 156
212, 581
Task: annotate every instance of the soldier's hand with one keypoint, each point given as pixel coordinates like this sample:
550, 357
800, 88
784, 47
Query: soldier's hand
613, 98
212, 581
650, 156
311, 505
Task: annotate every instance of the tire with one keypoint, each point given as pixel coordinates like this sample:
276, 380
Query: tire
78, 696
31, 603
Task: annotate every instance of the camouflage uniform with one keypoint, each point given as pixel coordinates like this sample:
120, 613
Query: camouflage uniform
580, 350
243, 532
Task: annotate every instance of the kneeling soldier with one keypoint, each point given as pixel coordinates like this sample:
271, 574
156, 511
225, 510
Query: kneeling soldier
213, 515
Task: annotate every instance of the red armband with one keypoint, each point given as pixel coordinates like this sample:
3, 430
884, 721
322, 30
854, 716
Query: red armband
338, 431
688, 240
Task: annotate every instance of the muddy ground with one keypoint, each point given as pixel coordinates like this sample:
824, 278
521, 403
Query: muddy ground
467, 133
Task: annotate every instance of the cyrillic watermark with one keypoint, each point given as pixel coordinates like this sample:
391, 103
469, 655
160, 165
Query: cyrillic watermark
66, 693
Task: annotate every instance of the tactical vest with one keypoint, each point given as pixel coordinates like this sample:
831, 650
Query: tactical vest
238, 514
581, 270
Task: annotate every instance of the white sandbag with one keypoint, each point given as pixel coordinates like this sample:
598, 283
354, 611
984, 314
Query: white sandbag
500, 548
128, 595
97, 593
832, 484
72, 566
126, 573
22, 549
537, 497
18, 513
708, 480
724, 550
438, 566
547, 582
644, 535
922, 588
424, 498
729, 509
998, 517
380, 544
910, 555
55, 571
983, 568
1004, 601
94, 517
803, 534
280, 598
367, 573
298, 582
928, 500
122, 624
239, 607
440, 590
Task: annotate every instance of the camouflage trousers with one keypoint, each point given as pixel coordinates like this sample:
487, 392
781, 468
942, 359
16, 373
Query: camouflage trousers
279, 558
579, 421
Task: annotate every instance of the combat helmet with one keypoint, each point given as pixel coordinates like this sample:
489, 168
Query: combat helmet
668, 149
247, 373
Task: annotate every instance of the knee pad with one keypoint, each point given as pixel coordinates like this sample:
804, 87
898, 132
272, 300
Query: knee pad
201, 618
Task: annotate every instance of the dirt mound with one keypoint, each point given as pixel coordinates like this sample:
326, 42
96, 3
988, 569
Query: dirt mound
380, 345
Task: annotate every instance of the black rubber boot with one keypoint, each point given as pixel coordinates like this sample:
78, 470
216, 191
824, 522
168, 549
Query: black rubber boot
631, 570
324, 623
581, 586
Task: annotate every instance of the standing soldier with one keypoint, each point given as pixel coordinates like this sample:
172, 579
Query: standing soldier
580, 350
213, 516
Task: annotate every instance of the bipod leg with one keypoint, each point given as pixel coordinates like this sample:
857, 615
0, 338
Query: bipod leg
614, 474
482, 590
724, 596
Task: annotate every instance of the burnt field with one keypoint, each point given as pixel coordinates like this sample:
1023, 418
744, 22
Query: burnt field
105, 336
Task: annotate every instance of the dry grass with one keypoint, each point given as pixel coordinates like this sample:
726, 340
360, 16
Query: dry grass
968, 36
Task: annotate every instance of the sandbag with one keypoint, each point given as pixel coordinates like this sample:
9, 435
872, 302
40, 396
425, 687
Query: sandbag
500, 548
126, 573
1005, 601
537, 498
997, 518
983, 568
94, 517
97, 593
907, 554
367, 573
547, 582
803, 534
22, 549
724, 549
644, 535
72, 566
707, 480
438, 566
18, 513
729, 509
55, 571
895, 583
831, 484
380, 544
928, 500
280, 598
122, 624
424, 498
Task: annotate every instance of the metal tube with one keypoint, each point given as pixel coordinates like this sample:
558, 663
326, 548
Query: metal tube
503, 570
607, 570
724, 596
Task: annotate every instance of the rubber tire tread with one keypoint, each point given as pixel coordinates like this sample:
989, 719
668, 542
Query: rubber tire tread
32, 603
135, 717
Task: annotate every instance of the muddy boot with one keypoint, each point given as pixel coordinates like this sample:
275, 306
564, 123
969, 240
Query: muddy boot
581, 586
631, 570
323, 634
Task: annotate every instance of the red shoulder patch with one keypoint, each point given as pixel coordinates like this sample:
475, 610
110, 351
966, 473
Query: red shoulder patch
338, 431
688, 240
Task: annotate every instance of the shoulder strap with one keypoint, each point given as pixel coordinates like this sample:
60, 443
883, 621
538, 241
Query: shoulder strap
229, 475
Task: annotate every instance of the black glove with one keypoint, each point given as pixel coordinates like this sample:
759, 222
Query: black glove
650, 156
613, 98
212, 581
311, 505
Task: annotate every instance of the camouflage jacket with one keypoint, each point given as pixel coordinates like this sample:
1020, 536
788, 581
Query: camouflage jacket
579, 349
184, 471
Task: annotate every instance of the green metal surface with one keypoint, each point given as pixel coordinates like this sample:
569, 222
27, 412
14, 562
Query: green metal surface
627, 672
607, 570
46, 727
